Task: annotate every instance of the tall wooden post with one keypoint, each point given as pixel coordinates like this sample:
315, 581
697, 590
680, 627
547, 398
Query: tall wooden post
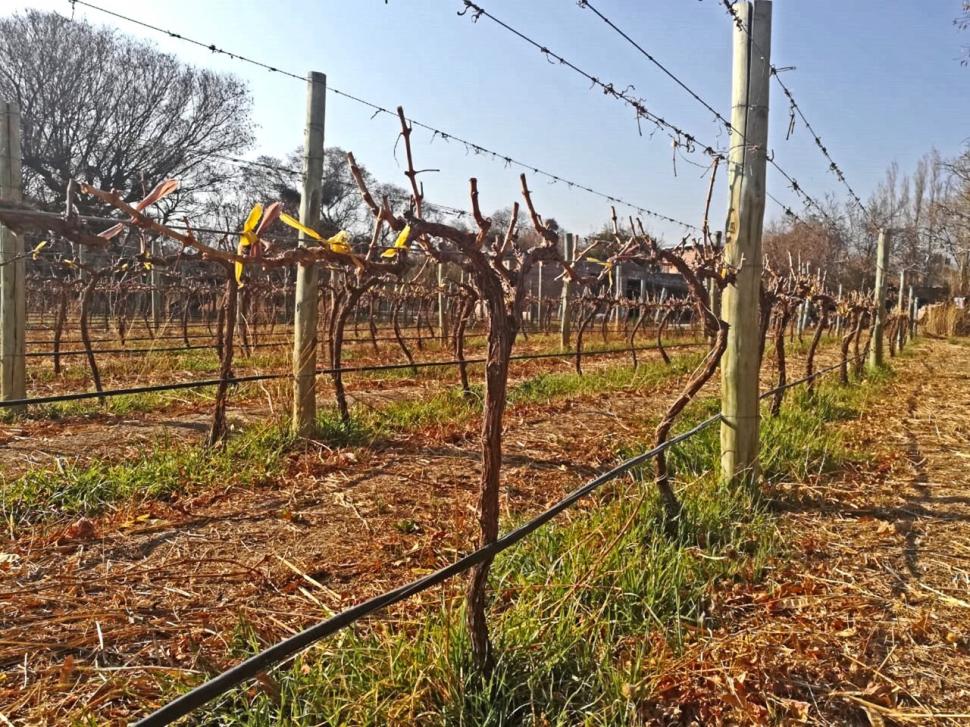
879, 324
13, 294
620, 295
900, 329
913, 310
657, 313
746, 183
442, 303
838, 316
306, 307
155, 280
569, 254
539, 298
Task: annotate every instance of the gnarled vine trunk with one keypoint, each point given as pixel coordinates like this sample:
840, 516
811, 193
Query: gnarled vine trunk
227, 344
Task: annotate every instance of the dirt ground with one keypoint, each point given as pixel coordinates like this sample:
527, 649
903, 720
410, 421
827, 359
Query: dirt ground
869, 623
79, 438
142, 590
868, 620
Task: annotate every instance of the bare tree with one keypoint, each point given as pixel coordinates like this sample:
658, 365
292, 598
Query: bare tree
113, 112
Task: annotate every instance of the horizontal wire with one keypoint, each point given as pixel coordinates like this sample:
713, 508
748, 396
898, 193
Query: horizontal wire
478, 148
203, 383
808, 200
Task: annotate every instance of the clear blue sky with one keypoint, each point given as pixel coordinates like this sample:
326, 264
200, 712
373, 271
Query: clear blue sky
880, 80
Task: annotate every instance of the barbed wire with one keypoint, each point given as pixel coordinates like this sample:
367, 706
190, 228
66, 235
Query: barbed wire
401, 196
793, 184
796, 110
378, 109
680, 137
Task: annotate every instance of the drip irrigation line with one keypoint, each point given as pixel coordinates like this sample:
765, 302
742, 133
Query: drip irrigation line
806, 379
377, 109
287, 648
202, 383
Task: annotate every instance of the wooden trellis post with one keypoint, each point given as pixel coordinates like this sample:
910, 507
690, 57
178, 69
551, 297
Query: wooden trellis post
913, 310
746, 183
442, 303
155, 280
879, 323
619, 296
900, 307
838, 316
13, 295
569, 254
539, 298
306, 307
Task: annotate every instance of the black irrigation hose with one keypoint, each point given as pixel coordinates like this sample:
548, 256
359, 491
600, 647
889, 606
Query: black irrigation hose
805, 379
280, 652
195, 346
283, 650
148, 349
201, 383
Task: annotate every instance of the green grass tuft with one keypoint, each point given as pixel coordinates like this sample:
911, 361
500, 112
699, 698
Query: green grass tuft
251, 458
582, 610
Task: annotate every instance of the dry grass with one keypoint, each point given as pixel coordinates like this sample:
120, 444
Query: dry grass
105, 616
946, 321
869, 621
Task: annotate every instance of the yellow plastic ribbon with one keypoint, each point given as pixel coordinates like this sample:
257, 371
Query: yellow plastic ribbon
291, 221
607, 265
248, 237
339, 243
401, 243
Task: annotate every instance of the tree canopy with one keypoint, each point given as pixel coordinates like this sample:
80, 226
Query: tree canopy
114, 111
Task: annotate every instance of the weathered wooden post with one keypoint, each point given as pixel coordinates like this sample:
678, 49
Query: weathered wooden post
879, 323
565, 308
306, 309
13, 295
155, 280
741, 363
901, 329
658, 313
620, 294
838, 316
442, 304
913, 310
539, 300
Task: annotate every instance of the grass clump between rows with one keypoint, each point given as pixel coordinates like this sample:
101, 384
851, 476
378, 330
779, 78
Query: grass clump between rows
255, 456
249, 459
585, 612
